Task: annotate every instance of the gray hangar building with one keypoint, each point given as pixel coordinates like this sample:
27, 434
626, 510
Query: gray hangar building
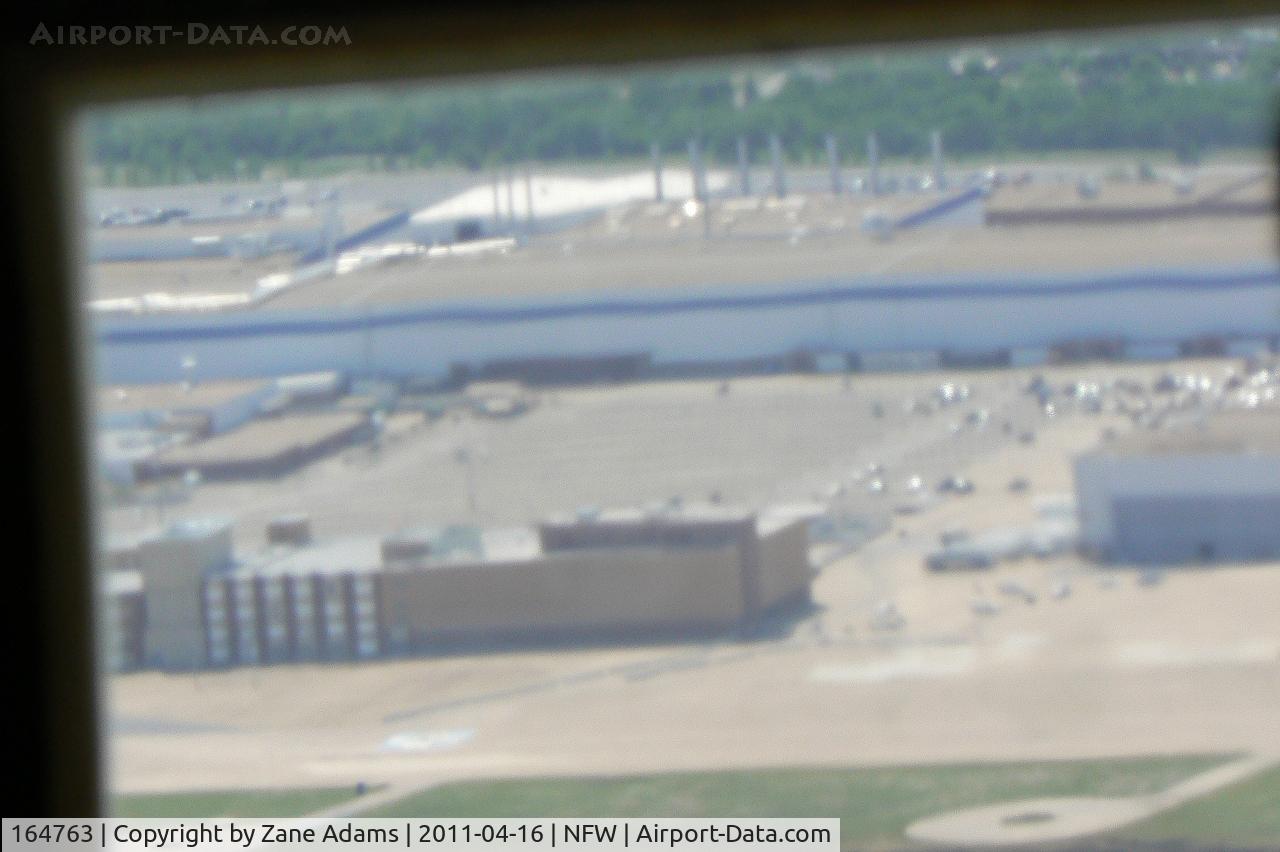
1202, 493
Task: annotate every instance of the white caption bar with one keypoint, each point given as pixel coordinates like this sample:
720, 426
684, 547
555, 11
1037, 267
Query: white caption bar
453, 835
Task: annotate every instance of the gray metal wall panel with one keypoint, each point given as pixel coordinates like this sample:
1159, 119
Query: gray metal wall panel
1181, 529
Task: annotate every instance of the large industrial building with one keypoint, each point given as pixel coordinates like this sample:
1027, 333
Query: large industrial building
208, 408
1196, 494
182, 599
267, 447
221, 429
745, 282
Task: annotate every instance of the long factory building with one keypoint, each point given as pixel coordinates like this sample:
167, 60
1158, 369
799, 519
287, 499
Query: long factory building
749, 281
1011, 321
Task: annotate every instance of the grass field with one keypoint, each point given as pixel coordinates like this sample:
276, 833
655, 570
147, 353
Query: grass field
875, 805
231, 803
1243, 814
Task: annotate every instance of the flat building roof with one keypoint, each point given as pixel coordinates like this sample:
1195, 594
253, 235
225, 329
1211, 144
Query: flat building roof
173, 396
1229, 432
1134, 194
572, 263
360, 554
263, 439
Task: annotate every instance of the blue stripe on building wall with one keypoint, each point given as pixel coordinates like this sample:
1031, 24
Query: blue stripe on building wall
153, 329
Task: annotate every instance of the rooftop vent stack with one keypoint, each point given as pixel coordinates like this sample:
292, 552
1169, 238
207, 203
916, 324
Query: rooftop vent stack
873, 164
289, 530
833, 158
744, 166
779, 176
939, 175
405, 551
655, 154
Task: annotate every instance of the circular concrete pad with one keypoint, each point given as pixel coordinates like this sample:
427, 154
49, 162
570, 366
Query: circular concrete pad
1029, 821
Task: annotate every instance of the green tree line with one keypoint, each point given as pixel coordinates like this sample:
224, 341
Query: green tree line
1125, 95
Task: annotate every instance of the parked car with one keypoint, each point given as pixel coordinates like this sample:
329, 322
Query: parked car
955, 485
1015, 589
957, 559
984, 607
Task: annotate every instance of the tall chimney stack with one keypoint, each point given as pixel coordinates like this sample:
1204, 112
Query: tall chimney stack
511, 195
779, 176
528, 197
873, 164
655, 154
700, 191
744, 166
939, 175
833, 158
497, 203
696, 170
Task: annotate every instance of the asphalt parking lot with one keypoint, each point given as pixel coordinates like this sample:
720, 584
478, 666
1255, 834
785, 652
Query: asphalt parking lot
1115, 667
